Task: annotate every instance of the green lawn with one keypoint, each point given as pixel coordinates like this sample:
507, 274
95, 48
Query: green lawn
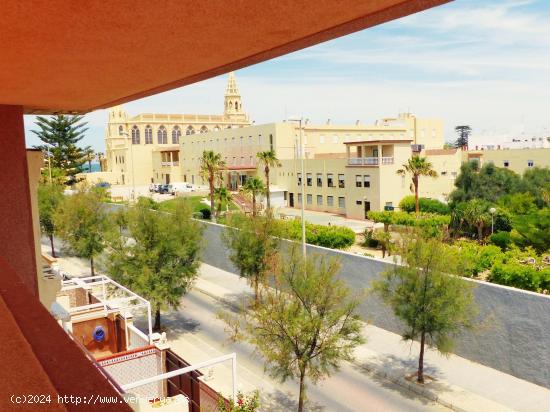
194, 202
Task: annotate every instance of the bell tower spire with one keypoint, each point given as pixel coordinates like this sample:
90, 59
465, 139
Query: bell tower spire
233, 106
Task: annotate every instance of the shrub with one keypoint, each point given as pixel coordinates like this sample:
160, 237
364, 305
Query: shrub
501, 239
477, 258
407, 204
521, 276
205, 212
335, 237
370, 241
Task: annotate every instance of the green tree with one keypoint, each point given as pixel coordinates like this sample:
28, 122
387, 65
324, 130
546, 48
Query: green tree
162, 258
428, 296
537, 182
83, 222
253, 187
488, 183
532, 229
417, 166
61, 134
463, 136
268, 159
211, 167
308, 324
254, 247
50, 197
476, 214
222, 196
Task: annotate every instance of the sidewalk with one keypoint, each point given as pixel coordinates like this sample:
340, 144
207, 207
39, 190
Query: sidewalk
459, 383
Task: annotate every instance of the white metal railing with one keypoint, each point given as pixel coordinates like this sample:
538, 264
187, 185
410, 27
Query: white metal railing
363, 161
174, 163
136, 338
232, 357
112, 296
387, 160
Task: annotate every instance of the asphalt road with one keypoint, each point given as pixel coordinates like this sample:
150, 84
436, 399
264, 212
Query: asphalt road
350, 389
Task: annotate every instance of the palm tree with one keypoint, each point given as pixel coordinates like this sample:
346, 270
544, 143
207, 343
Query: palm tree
100, 157
211, 169
268, 159
89, 155
222, 195
476, 214
417, 166
253, 186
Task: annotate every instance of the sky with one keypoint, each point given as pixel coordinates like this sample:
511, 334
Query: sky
484, 63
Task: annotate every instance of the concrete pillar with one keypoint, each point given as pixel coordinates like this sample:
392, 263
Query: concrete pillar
16, 234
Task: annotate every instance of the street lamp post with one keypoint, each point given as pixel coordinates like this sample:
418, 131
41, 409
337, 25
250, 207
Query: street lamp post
492, 211
132, 159
302, 183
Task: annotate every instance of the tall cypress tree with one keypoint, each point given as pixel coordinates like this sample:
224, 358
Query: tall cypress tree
61, 133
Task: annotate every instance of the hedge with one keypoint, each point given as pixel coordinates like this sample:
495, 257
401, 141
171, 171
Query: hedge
335, 237
521, 276
407, 204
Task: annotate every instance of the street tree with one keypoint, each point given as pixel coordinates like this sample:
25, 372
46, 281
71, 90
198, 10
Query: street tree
253, 187
83, 222
307, 325
253, 246
222, 195
211, 166
60, 135
158, 255
463, 136
50, 197
268, 159
428, 295
417, 166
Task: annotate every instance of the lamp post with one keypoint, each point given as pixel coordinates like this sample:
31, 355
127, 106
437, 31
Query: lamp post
300, 120
492, 211
132, 159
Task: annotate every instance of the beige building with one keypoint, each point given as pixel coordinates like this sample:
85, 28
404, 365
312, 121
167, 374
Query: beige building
350, 169
517, 160
145, 148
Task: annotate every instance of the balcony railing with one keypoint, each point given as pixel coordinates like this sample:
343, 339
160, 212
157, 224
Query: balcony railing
369, 161
168, 164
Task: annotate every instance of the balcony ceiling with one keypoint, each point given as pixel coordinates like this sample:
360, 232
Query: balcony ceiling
71, 56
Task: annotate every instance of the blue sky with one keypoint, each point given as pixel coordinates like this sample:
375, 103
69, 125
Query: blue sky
485, 63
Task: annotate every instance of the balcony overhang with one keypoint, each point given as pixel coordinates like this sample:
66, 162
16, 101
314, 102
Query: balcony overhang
62, 56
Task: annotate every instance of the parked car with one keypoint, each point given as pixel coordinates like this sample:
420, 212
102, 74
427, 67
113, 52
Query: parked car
105, 185
165, 189
179, 188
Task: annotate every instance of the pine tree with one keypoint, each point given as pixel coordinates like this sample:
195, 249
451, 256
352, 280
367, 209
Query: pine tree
463, 136
61, 134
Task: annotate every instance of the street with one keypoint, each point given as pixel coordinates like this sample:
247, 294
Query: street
195, 325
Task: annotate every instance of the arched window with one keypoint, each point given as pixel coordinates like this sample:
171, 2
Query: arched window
216, 128
148, 135
135, 135
204, 129
189, 130
120, 130
162, 135
176, 133
230, 105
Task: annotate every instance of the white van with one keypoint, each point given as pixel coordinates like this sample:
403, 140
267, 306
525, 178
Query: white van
182, 187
